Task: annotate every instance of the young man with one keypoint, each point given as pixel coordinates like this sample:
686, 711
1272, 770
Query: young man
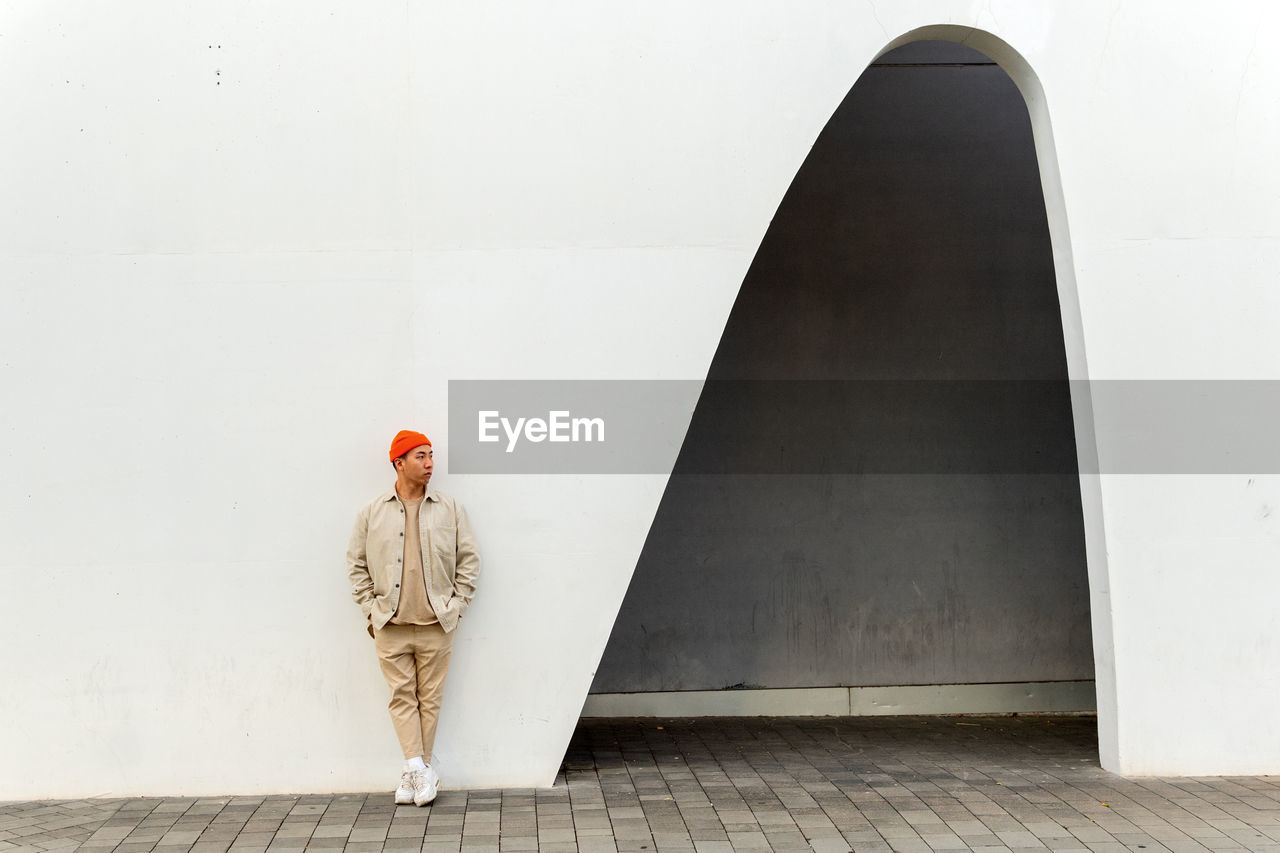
413, 565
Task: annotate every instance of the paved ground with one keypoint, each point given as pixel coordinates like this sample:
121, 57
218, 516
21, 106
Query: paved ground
910, 784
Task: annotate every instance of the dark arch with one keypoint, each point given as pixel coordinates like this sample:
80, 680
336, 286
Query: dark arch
902, 547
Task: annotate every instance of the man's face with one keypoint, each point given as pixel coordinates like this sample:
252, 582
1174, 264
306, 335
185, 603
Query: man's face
415, 466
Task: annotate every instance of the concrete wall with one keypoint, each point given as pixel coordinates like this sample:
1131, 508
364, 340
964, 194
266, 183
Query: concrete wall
242, 245
879, 483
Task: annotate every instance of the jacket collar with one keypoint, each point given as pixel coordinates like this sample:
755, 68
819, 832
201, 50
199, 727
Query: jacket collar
431, 495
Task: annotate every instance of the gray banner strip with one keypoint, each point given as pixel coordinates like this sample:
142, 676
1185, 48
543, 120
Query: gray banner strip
862, 427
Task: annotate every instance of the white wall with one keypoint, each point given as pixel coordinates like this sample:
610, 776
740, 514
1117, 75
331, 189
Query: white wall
243, 245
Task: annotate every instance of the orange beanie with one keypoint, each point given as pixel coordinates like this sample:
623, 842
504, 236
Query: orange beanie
405, 441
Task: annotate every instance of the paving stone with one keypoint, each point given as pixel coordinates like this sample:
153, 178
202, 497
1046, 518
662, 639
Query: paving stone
360, 847
446, 847
203, 846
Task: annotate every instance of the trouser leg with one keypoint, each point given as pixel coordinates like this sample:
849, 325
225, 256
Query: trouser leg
433, 650
395, 647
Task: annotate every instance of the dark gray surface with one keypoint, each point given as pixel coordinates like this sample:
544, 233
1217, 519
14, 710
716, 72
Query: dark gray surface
934, 53
912, 245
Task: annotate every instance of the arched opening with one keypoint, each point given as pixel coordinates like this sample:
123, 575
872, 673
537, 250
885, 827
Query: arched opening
880, 490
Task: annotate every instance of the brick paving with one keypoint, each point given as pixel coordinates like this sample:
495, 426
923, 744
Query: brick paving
877, 784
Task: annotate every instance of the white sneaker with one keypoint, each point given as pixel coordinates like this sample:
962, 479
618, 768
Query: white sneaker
404, 791
426, 783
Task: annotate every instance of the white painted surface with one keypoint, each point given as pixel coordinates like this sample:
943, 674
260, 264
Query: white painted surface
1034, 698
231, 273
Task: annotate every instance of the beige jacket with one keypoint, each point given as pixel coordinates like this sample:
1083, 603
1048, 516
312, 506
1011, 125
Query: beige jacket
376, 551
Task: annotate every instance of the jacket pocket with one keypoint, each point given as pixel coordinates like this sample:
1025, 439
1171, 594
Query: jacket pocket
445, 541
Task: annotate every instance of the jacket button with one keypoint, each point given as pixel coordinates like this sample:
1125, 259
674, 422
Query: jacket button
397, 586
401, 534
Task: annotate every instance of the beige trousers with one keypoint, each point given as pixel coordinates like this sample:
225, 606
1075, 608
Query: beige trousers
414, 660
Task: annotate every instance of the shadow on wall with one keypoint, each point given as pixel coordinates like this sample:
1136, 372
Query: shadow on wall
914, 517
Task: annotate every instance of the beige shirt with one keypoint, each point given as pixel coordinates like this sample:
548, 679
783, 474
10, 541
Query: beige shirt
414, 608
375, 557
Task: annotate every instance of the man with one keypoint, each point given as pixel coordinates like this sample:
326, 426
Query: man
413, 565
